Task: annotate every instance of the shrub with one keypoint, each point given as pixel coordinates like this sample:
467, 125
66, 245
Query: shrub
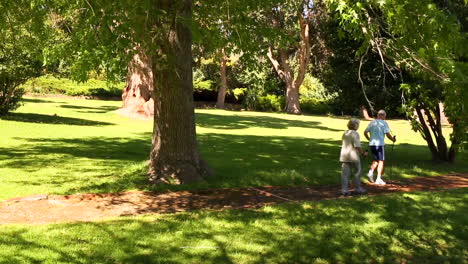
51, 85
270, 102
314, 106
9, 100
13, 73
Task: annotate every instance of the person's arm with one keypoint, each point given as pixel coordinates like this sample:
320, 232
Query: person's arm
362, 152
392, 138
357, 144
366, 134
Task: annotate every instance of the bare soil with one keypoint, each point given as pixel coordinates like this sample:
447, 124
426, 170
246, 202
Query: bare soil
45, 209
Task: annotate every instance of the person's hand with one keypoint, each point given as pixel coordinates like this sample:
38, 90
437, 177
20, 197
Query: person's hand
394, 139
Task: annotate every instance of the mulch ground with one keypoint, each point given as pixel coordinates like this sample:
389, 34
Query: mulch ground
44, 209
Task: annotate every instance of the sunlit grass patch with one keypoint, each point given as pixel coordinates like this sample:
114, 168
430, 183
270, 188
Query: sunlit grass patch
421, 227
64, 146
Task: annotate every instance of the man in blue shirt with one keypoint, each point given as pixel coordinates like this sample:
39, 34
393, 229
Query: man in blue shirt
378, 129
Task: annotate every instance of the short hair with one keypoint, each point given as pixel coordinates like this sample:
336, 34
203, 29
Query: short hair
353, 124
381, 113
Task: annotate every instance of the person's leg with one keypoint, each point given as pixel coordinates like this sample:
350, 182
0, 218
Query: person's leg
375, 163
345, 172
357, 178
380, 166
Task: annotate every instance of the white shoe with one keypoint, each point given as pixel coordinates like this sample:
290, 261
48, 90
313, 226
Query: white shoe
380, 182
371, 177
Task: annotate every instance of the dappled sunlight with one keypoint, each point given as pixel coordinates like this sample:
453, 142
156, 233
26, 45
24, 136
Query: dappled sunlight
88, 148
416, 227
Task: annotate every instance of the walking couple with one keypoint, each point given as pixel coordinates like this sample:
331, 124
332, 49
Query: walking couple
351, 150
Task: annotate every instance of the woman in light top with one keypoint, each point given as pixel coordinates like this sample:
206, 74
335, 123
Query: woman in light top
350, 158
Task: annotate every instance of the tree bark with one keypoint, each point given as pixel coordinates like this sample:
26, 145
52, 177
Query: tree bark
137, 96
286, 73
174, 155
223, 86
426, 134
436, 128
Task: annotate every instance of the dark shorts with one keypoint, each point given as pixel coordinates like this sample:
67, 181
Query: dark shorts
378, 152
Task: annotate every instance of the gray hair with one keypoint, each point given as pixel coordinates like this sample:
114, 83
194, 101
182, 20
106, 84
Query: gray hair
381, 113
353, 124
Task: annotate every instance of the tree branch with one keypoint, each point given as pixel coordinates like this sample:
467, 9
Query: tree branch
304, 52
275, 63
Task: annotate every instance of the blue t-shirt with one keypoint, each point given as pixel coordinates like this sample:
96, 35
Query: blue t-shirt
377, 129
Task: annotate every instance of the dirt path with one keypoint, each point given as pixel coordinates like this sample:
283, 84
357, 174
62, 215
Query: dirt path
43, 209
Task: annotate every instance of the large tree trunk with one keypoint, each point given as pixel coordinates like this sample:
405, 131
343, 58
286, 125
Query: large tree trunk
223, 87
137, 96
174, 154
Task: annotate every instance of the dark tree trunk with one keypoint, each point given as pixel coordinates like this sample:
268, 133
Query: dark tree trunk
137, 96
174, 155
223, 87
431, 130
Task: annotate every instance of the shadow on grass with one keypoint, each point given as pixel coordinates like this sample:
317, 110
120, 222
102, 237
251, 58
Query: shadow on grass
237, 160
37, 100
240, 122
111, 163
88, 109
398, 228
52, 119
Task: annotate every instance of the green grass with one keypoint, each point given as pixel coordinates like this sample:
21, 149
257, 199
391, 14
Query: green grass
398, 228
64, 146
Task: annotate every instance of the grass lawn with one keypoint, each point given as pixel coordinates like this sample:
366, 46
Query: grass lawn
397, 228
65, 146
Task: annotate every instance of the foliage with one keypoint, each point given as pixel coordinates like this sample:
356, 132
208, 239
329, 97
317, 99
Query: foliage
338, 69
93, 88
200, 82
313, 88
436, 55
65, 146
314, 106
270, 103
24, 35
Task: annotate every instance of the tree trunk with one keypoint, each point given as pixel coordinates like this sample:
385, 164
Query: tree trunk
174, 154
292, 100
137, 94
426, 134
286, 73
223, 87
292, 91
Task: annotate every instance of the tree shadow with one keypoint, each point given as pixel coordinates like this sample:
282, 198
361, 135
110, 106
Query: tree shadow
88, 109
237, 160
112, 164
37, 100
399, 228
52, 119
242, 121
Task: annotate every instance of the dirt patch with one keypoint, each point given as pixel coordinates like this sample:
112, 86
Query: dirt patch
43, 209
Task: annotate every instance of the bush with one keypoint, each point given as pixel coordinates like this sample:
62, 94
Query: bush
13, 73
270, 103
10, 103
314, 106
51, 85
